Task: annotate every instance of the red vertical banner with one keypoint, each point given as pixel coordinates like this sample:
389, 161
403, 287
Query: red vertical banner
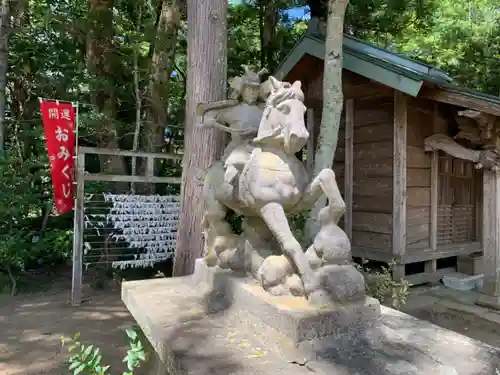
59, 128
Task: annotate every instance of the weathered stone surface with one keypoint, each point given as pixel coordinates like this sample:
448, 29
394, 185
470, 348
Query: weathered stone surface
197, 328
340, 283
294, 317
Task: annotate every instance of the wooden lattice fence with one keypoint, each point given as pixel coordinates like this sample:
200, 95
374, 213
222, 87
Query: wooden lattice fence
122, 230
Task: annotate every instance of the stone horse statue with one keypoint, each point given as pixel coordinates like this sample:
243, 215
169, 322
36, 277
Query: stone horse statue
272, 184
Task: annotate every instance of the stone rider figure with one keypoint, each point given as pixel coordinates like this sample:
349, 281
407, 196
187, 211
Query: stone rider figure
240, 116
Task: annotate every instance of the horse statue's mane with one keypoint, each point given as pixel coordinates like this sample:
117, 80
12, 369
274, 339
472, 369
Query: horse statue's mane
284, 92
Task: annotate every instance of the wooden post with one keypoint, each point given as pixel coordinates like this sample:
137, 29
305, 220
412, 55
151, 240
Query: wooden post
78, 227
490, 294
431, 265
150, 167
399, 183
310, 142
434, 198
349, 165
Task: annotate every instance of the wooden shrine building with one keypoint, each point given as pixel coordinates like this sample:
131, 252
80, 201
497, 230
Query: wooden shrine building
407, 202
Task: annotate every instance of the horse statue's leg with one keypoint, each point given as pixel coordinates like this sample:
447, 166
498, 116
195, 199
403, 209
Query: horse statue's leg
275, 218
215, 212
324, 183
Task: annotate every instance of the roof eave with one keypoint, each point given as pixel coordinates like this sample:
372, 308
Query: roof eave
352, 62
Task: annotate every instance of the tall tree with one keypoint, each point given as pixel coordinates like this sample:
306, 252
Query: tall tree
167, 26
206, 81
333, 99
100, 64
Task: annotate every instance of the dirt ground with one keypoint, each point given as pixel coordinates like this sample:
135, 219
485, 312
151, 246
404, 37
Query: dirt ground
31, 325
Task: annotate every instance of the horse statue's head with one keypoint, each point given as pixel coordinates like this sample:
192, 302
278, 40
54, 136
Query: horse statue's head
283, 121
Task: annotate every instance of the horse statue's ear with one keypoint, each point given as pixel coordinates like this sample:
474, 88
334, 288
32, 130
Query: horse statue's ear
275, 84
297, 85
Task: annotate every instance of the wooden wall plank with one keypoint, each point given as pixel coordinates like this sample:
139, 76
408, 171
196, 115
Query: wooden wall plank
372, 222
417, 157
418, 177
418, 215
371, 116
373, 150
372, 168
373, 186
418, 196
374, 204
372, 174
371, 239
373, 133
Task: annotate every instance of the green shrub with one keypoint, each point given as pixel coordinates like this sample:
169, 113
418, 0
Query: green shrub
25, 188
87, 359
380, 285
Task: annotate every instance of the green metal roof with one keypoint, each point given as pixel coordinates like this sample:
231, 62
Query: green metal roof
391, 69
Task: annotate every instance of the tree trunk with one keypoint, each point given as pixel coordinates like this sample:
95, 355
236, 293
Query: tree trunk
99, 57
206, 81
138, 100
333, 99
162, 62
270, 21
161, 69
4, 55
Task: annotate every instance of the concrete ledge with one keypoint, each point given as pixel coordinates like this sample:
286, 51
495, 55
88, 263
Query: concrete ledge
485, 300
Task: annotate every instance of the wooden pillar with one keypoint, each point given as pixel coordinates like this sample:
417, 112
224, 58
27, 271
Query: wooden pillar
399, 183
349, 165
78, 228
490, 294
431, 265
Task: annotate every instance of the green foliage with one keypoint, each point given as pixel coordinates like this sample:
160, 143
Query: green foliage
20, 200
54, 246
380, 285
297, 225
463, 38
26, 189
86, 359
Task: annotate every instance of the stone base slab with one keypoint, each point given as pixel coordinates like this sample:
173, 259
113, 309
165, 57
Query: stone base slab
196, 327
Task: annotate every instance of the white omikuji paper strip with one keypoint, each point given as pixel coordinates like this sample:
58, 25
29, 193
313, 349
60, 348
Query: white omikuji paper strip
146, 222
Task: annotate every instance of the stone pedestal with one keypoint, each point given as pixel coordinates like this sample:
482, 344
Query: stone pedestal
292, 317
219, 323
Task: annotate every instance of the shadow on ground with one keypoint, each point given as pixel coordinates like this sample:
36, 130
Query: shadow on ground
31, 327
